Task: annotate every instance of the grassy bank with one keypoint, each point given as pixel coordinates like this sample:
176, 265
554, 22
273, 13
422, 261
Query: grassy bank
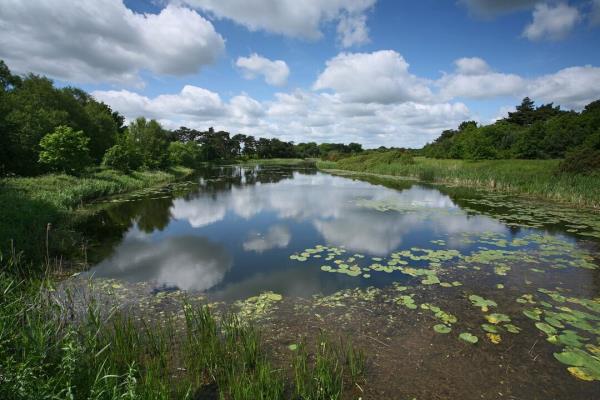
535, 178
28, 205
52, 349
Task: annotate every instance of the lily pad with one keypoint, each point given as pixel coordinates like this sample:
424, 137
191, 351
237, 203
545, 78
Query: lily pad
496, 318
442, 328
468, 337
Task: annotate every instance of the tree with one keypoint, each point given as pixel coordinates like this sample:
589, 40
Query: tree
65, 150
150, 140
524, 114
186, 154
123, 156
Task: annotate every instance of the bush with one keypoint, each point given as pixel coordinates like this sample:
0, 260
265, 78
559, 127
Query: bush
122, 157
584, 159
65, 150
185, 154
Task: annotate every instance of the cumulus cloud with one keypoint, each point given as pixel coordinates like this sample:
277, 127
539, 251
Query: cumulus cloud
552, 22
378, 77
288, 17
352, 30
92, 41
495, 7
572, 87
369, 98
275, 72
473, 78
190, 102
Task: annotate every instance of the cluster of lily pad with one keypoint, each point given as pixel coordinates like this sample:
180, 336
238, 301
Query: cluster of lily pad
574, 324
429, 262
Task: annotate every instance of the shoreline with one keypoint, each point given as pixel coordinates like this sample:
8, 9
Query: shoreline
528, 178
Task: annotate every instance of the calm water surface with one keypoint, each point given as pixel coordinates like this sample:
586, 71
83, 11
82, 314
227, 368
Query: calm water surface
231, 232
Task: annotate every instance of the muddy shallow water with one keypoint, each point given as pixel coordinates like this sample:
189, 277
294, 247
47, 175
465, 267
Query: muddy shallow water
453, 293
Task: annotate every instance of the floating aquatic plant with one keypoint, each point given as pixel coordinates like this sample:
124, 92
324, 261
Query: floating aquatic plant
468, 337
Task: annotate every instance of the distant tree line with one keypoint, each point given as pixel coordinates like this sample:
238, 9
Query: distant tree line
530, 132
44, 129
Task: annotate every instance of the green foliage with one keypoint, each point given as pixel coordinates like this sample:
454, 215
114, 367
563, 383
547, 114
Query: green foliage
186, 154
528, 133
150, 140
123, 157
65, 150
31, 107
584, 159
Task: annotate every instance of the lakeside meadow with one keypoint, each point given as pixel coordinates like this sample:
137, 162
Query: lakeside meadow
299, 200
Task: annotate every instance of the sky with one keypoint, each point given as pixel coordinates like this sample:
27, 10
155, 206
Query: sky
376, 72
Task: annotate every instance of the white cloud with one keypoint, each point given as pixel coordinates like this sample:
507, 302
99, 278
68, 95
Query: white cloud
191, 102
288, 17
275, 72
97, 41
298, 116
378, 77
360, 107
352, 30
495, 7
473, 78
572, 87
552, 22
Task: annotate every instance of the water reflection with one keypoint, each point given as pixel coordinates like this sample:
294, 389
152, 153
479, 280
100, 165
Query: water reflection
278, 236
233, 231
186, 262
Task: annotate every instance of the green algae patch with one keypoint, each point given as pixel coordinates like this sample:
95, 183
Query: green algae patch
257, 306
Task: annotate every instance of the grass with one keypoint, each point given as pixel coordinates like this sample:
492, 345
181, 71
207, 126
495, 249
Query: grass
536, 178
50, 351
30, 208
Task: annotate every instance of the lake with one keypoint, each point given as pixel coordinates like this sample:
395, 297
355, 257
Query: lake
406, 264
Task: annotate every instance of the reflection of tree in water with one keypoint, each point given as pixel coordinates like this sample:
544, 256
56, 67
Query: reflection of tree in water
108, 227
223, 179
154, 214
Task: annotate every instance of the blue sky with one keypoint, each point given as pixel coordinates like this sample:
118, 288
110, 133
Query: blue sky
379, 72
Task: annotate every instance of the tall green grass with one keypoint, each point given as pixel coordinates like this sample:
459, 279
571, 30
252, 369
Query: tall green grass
537, 178
32, 208
51, 349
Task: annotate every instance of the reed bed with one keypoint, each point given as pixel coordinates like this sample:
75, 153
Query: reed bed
535, 178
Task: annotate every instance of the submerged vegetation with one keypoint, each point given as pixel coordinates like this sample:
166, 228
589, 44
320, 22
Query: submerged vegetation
569, 322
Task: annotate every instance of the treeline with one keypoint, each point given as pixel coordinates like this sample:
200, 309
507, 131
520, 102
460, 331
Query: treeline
45, 129
531, 132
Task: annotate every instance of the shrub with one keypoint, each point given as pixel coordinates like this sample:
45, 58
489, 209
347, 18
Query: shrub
584, 159
185, 154
122, 157
65, 150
